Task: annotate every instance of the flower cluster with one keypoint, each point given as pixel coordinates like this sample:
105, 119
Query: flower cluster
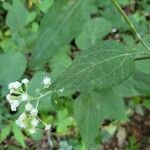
18, 93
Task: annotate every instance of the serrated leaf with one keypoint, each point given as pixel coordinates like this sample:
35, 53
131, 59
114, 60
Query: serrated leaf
62, 23
105, 64
4, 133
93, 31
12, 67
93, 107
18, 135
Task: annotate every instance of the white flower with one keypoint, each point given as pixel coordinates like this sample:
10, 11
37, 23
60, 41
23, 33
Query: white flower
34, 122
114, 30
21, 120
47, 81
23, 116
10, 86
48, 127
24, 97
34, 112
25, 81
61, 90
32, 130
13, 108
11, 91
18, 122
14, 85
9, 98
21, 124
14, 105
28, 107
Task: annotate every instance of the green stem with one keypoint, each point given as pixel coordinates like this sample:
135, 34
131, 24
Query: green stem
142, 58
116, 4
43, 95
44, 123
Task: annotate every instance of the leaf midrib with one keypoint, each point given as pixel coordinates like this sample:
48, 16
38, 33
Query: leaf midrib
94, 64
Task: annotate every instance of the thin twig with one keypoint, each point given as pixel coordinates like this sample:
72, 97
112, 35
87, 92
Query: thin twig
116, 4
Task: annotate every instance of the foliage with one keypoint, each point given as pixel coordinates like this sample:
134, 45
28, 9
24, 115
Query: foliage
86, 49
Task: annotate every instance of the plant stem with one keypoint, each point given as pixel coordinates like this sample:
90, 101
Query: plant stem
49, 140
116, 4
43, 95
142, 58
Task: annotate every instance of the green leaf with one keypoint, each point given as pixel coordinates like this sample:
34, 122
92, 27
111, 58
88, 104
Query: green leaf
105, 64
61, 24
93, 107
141, 75
141, 50
93, 31
11, 147
18, 135
12, 67
60, 62
64, 121
110, 13
45, 5
65, 146
4, 133
36, 85
146, 103
139, 83
128, 88
17, 16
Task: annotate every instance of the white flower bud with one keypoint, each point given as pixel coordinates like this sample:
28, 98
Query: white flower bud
28, 107
24, 97
32, 130
9, 98
14, 85
25, 81
34, 122
61, 90
13, 108
10, 86
14, 105
48, 127
114, 30
47, 81
18, 122
11, 91
21, 121
21, 124
23, 116
34, 112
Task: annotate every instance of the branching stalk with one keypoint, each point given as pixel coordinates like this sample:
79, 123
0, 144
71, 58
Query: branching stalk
116, 4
